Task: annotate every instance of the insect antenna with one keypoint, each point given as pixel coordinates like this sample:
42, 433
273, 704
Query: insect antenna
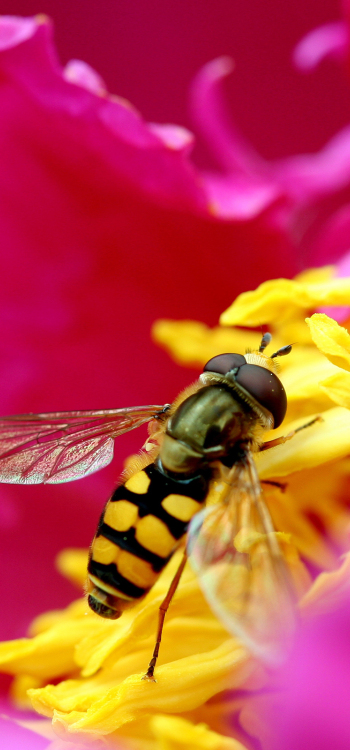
282, 351
265, 341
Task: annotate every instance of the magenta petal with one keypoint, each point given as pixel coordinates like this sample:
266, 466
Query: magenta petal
299, 179
315, 713
15, 737
332, 238
337, 313
239, 197
79, 72
110, 126
343, 266
232, 151
173, 136
330, 40
14, 30
309, 176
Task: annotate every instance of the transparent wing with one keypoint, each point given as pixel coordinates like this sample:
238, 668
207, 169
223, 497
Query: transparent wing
236, 556
63, 446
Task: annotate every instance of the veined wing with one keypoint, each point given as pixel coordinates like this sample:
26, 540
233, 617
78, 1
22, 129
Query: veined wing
235, 553
63, 446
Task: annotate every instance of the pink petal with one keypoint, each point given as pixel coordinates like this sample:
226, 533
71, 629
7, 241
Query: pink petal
173, 136
314, 705
79, 72
239, 197
13, 30
298, 180
331, 239
343, 266
330, 40
209, 114
15, 737
105, 118
310, 176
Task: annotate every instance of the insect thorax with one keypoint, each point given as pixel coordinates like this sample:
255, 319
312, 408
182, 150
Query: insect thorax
206, 427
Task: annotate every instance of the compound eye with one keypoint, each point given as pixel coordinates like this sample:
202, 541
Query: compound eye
223, 363
266, 388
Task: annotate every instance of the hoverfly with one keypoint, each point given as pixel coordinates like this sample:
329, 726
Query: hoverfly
199, 447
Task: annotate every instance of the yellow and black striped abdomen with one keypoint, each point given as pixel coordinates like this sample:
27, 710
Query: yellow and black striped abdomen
138, 532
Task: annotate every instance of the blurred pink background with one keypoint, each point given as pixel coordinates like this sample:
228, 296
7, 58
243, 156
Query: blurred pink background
148, 51
75, 328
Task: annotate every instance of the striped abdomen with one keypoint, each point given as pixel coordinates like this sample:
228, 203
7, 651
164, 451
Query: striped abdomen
138, 532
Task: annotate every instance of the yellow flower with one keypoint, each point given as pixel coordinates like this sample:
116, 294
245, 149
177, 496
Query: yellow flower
84, 672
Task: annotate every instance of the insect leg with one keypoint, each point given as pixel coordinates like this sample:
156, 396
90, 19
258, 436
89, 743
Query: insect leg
162, 612
308, 424
284, 438
280, 485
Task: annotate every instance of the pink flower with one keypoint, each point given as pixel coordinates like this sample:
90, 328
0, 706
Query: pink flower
313, 711
17, 737
307, 192
328, 41
105, 225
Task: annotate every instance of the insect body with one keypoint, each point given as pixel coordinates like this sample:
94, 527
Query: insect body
139, 530
206, 436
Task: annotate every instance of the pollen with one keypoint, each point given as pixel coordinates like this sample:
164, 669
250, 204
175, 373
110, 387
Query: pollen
181, 507
138, 483
121, 515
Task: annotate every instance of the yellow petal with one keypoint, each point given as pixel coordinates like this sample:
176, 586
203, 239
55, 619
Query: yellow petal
19, 689
78, 610
139, 623
301, 379
291, 330
50, 654
300, 576
193, 343
337, 387
72, 563
175, 733
331, 338
316, 275
312, 501
156, 731
328, 592
181, 686
324, 441
280, 299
